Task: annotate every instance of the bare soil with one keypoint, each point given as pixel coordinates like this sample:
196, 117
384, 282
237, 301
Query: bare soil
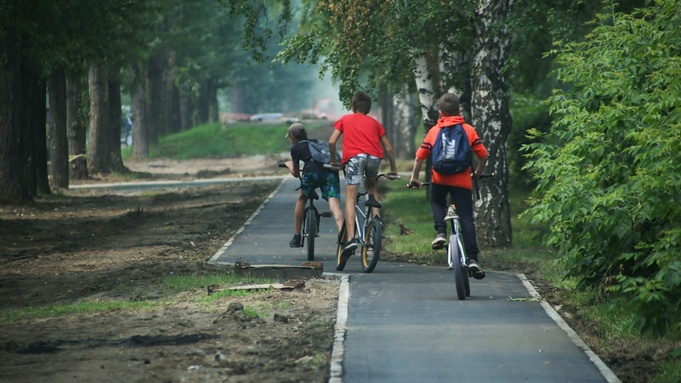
88, 246
94, 246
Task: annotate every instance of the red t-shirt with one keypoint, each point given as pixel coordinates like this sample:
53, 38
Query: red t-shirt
361, 134
463, 179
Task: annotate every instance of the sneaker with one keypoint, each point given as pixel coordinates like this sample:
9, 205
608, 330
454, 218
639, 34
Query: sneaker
475, 269
350, 247
295, 242
439, 241
346, 253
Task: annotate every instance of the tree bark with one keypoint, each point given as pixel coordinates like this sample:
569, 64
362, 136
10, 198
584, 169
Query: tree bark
56, 131
140, 141
186, 110
492, 119
75, 129
34, 118
405, 124
427, 91
14, 140
154, 90
116, 122
98, 136
171, 122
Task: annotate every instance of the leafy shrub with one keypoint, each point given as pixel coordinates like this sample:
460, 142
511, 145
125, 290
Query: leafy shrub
609, 169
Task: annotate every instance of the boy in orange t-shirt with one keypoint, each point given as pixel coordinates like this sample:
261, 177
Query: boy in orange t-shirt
459, 186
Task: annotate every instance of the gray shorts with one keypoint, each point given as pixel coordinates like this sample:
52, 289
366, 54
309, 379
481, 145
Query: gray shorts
360, 166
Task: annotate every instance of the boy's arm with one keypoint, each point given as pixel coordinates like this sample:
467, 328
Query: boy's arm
391, 154
415, 172
332, 146
293, 167
482, 162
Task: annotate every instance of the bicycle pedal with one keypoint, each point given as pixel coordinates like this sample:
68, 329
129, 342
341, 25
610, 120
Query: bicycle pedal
326, 214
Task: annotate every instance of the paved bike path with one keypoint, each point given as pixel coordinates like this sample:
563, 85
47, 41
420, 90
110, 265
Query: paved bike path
404, 323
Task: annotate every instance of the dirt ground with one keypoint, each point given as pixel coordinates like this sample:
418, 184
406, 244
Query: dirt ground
90, 246
87, 247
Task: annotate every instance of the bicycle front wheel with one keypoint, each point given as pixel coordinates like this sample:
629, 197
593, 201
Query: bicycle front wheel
372, 245
455, 256
310, 228
340, 264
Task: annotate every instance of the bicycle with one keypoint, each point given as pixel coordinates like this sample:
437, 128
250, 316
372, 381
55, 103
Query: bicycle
368, 231
456, 251
311, 219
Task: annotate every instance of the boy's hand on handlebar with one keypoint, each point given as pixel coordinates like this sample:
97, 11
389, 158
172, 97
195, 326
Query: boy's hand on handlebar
414, 184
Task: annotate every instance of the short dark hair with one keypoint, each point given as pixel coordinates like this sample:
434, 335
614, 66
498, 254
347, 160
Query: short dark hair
361, 103
449, 104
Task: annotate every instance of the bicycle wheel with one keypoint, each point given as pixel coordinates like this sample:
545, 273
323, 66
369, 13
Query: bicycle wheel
340, 265
453, 250
310, 231
465, 272
372, 245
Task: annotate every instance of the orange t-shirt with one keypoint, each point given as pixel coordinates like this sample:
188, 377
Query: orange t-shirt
463, 179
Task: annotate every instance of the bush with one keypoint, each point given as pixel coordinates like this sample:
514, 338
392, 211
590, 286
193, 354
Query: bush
609, 169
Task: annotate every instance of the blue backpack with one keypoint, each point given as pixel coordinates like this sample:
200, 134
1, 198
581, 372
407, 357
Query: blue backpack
452, 151
320, 151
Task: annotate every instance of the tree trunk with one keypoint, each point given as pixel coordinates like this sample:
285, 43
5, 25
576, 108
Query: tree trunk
426, 88
115, 124
140, 142
98, 136
34, 117
14, 140
56, 131
186, 110
492, 119
75, 129
171, 122
154, 90
405, 124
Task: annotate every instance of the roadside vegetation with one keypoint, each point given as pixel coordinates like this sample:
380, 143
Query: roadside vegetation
214, 140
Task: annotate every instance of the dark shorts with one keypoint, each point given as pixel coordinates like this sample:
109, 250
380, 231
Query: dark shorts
327, 182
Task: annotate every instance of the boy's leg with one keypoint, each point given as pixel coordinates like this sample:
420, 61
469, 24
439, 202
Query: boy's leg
298, 213
370, 174
331, 193
438, 204
463, 199
354, 176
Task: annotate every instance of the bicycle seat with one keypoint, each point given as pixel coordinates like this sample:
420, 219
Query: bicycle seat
371, 202
313, 195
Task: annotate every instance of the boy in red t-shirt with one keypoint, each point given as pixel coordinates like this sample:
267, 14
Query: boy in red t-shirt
458, 185
364, 141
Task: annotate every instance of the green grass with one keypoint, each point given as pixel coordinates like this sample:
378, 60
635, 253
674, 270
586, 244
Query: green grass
234, 140
152, 297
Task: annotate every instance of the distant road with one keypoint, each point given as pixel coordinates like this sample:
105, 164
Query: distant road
127, 186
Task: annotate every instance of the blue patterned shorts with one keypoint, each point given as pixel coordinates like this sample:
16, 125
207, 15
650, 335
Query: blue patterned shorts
328, 182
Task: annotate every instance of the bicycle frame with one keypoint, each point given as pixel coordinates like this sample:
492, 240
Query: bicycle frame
456, 256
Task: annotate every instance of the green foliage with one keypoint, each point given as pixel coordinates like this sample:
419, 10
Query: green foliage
609, 170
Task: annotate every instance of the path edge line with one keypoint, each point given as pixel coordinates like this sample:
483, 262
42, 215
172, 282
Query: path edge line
607, 373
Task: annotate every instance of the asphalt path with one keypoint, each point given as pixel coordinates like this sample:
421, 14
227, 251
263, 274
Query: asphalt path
404, 323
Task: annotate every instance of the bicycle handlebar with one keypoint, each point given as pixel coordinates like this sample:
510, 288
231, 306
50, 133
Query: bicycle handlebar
391, 177
414, 185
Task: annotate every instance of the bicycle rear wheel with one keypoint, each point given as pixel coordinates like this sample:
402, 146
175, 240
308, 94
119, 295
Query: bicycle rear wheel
464, 272
310, 231
340, 265
372, 245
455, 256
